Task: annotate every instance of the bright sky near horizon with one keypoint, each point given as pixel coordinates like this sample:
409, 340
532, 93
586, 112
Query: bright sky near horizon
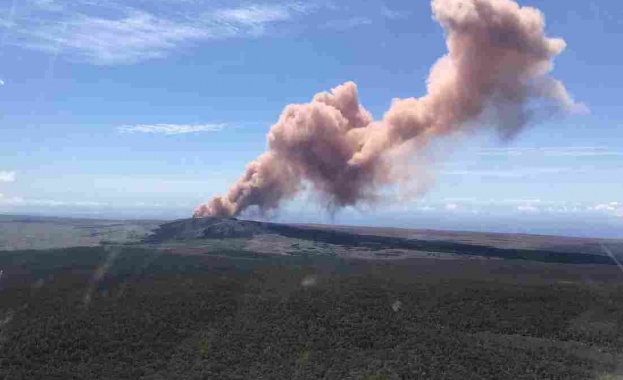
147, 108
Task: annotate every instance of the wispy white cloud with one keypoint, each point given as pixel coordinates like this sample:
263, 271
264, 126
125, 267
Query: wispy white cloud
1, 82
515, 173
48, 5
459, 199
451, 206
475, 201
7, 176
349, 23
614, 208
170, 129
425, 208
528, 208
518, 201
531, 206
577, 151
35, 202
136, 37
392, 14
254, 14
109, 33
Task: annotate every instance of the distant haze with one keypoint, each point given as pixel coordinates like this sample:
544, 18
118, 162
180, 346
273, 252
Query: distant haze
495, 75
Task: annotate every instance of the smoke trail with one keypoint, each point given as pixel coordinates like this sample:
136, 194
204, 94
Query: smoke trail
494, 74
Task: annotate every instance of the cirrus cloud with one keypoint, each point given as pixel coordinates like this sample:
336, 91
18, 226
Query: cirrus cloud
117, 32
7, 176
563, 151
170, 129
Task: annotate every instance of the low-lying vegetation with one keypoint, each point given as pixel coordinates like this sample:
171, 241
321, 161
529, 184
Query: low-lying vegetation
125, 313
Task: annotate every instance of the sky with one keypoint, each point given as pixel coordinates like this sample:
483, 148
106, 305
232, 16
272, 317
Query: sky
130, 109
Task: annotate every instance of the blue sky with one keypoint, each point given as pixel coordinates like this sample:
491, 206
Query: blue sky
143, 108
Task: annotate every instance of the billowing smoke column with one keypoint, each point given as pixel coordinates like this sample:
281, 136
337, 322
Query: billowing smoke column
495, 73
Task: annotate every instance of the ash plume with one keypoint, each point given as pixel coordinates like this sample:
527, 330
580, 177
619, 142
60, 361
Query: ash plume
495, 74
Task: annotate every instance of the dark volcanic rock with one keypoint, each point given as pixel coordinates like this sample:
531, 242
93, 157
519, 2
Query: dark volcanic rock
219, 228
207, 228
